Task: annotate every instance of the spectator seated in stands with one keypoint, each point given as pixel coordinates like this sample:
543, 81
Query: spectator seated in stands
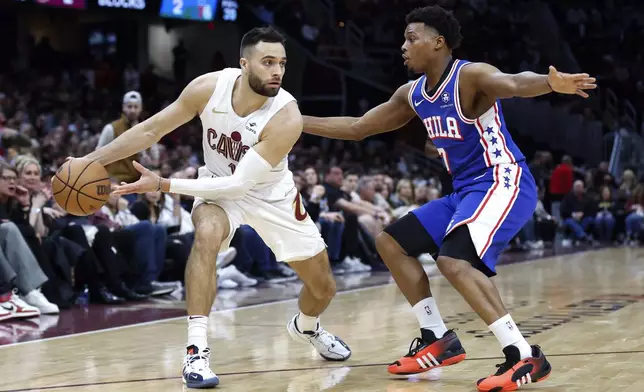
330, 224
149, 247
577, 212
402, 201
540, 228
19, 269
605, 218
166, 210
337, 200
560, 184
635, 216
254, 258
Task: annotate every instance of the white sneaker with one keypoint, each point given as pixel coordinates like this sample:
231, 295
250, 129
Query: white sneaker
232, 273
19, 308
37, 299
196, 369
328, 346
226, 284
226, 257
359, 265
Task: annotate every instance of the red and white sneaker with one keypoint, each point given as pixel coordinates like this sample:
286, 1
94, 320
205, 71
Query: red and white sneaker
5, 313
19, 308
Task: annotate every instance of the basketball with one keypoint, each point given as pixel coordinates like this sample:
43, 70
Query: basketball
81, 186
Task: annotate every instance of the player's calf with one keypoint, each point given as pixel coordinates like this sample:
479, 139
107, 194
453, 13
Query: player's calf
319, 288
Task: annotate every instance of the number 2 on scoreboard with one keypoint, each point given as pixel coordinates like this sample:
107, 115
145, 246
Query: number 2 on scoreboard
177, 7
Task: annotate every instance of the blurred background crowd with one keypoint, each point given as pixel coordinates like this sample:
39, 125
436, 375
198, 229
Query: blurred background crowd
70, 83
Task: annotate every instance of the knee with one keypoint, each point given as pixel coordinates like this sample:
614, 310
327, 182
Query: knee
323, 288
452, 268
208, 234
387, 245
8, 229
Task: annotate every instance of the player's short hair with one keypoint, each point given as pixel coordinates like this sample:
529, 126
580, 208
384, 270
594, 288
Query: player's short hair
440, 19
260, 34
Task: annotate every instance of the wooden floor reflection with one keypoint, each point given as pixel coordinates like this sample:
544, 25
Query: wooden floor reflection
586, 310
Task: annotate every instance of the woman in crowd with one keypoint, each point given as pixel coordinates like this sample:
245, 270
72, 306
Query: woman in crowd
605, 218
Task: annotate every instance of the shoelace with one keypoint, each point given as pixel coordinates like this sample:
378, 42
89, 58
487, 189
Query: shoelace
326, 338
413, 350
204, 364
204, 356
503, 367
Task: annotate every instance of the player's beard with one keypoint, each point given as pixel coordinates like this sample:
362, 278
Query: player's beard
258, 87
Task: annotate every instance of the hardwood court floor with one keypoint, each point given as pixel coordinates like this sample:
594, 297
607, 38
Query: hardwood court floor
586, 310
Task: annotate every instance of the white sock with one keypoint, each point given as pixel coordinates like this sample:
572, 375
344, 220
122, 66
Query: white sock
429, 317
306, 323
198, 332
507, 333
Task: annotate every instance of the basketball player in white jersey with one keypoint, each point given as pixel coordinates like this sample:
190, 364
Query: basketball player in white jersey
249, 126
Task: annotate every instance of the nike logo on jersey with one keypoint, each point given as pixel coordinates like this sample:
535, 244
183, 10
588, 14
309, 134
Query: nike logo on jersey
218, 112
418, 103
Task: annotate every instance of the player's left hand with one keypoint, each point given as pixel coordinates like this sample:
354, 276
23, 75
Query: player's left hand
149, 182
565, 83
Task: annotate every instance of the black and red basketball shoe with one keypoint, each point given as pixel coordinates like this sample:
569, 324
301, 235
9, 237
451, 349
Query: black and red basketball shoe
428, 352
516, 372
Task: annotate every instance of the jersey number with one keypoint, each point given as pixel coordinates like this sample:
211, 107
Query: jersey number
443, 154
232, 167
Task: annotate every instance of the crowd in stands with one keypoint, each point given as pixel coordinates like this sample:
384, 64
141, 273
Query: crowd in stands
137, 246
604, 36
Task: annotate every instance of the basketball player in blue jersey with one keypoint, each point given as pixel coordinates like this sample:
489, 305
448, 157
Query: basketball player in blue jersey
494, 192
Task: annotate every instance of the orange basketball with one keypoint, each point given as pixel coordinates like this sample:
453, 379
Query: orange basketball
81, 186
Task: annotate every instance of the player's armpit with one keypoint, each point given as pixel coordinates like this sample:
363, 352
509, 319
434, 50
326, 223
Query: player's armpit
280, 134
145, 134
385, 117
492, 82
431, 150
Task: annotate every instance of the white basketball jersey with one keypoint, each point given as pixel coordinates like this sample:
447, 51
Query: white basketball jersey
227, 137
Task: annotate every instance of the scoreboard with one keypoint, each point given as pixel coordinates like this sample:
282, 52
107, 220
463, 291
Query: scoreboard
197, 10
62, 3
203, 10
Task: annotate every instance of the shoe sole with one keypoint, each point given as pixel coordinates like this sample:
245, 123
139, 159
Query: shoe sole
201, 384
513, 387
448, 362
336, 359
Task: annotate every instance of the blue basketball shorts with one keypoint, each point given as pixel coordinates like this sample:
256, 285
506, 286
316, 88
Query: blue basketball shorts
494, 206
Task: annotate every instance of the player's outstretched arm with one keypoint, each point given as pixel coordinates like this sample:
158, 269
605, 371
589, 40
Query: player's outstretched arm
276, 140
494, 83
385, 117
145, 134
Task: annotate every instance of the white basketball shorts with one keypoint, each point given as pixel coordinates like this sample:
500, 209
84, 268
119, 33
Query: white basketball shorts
278, 216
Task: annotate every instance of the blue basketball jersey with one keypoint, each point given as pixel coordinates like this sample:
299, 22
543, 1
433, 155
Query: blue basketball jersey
468, 146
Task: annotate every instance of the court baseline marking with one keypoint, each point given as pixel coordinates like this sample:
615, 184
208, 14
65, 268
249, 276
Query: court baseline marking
251, 372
